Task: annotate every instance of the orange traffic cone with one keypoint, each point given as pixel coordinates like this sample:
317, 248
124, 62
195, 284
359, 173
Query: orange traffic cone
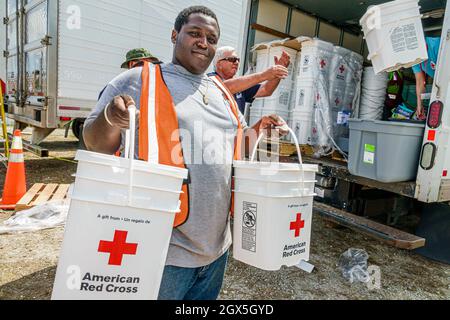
15, 183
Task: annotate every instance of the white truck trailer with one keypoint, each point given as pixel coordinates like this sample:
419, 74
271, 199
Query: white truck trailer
59, 54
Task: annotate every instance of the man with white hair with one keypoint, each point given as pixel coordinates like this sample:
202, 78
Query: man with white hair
249, 87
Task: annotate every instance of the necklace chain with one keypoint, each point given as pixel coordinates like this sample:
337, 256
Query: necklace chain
205, 98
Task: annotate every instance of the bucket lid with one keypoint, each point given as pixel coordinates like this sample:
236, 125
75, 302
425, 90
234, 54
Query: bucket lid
255, 193
274, 181
108, 160
94, 179
315, 42
278, 166
401, 4
119, 204
292, 45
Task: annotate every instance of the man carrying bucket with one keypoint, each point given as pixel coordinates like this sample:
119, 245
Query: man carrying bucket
182, 111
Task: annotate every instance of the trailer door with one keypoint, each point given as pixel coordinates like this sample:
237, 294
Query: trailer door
35, 51
12, 51
433, 180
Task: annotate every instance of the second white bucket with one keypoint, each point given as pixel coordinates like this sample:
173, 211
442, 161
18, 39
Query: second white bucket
394, 35
272, 225
301, 124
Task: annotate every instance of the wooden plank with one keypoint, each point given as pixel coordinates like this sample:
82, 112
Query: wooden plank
389, 235
61, 192
45, 195
29, 197
287, 149
271, 31
35, 149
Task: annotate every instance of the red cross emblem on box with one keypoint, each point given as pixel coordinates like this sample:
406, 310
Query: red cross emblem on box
117, 248
298, 225
342, 69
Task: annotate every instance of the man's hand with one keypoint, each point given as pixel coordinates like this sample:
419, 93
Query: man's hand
284, 60
276, 72
272, 122
117, 111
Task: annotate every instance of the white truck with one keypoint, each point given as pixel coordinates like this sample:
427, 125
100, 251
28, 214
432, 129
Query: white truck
61, 53
68, 50
351, 200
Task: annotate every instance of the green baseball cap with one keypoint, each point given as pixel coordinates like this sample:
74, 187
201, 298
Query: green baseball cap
137, 54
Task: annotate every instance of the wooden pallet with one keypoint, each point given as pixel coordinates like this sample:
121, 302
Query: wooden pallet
287, 149
42, 193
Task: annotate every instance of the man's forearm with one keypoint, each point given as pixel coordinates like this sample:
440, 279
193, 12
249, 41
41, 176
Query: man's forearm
243, 83
268, 88
420, 89
100, 136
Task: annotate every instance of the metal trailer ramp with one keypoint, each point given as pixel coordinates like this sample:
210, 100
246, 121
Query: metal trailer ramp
386, 234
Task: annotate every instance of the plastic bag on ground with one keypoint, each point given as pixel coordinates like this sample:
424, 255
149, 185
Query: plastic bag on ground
47, 216
353, 265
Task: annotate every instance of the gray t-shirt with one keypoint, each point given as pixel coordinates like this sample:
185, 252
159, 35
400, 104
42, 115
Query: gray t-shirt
207, 136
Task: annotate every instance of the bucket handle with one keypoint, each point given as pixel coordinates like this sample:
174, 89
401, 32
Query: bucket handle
297, 145
130, 138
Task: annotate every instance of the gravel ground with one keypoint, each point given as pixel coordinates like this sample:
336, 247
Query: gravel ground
28, 261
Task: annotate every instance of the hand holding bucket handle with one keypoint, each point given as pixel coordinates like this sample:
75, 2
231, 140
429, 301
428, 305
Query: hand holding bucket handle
297, 145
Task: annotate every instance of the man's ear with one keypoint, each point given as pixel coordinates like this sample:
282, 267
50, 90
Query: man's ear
174, 36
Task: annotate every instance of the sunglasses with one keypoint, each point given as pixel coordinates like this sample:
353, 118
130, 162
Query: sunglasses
231, 59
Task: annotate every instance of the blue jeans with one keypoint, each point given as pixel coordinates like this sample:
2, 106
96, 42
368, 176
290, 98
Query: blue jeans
202, 283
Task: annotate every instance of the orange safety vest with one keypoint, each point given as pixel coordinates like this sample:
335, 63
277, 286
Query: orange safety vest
159, 139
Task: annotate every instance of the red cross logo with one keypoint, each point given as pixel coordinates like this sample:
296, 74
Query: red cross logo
298, 225
323, 63
342, 68
433, 65
117, 248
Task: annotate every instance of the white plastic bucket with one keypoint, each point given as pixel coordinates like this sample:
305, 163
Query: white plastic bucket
273, 188
265, 230
119, 227
110, 192
265, 58
337, 95
340, 64
279, 100
394, 35
355, 64
255, 116
273, 213
274, 171
301, 124
304, 92
315, 59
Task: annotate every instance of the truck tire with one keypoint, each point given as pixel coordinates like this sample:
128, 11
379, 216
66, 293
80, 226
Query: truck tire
77, 128
81, 145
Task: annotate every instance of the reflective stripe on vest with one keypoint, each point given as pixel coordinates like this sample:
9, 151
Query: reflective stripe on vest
159, 138
234, 109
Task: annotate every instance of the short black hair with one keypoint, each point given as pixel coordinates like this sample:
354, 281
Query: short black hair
183, 16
